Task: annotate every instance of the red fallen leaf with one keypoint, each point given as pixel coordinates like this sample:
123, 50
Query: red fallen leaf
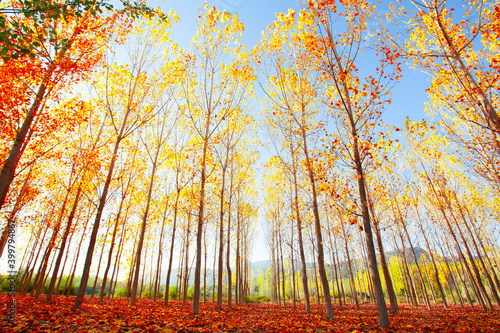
116, 316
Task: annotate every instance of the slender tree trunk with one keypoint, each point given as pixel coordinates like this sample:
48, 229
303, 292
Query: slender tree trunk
201, 218
478, 252
409, 271
75, 261
293, 270
274, 293
282, 267
143, 273
213, 267
143, 230
424, 291
116, 266
464, 284
28, 272
97, 221
333, 269
38, 285
132, 269
406, 284
336, 266
186, 263
361, 283
468, 275
433, 293
367, 268
238, 270
160, 256
491, 266
221, 242
303, 274
277, 271
451, 276
476, 272
205, 266
61, 276
436, 272
318, 233
354, 293
383, 315
467, 294
100, 261
303, 265
49, 268
5, 233
385, 270
316, 285
172, 240
111, 246
383, 261
63, 244
180, 272
228, 252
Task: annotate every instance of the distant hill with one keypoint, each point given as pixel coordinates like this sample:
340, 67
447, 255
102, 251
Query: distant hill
409, 255
263, 265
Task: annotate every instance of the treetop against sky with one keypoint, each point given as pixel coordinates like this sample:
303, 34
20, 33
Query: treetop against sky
408, 96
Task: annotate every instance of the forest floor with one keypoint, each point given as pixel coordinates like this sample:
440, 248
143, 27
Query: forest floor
35, 315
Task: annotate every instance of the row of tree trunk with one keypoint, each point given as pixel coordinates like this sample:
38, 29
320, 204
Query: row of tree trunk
38, 263
456, 265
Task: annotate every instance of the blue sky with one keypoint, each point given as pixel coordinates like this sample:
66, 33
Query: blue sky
255, 14
408, 97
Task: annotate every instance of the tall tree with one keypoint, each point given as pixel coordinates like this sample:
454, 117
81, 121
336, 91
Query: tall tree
60, 55
129, 107
356, 107
216, 81
292, 91
157, 134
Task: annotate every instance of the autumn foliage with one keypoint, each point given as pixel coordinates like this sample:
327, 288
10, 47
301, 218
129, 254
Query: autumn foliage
139, 175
